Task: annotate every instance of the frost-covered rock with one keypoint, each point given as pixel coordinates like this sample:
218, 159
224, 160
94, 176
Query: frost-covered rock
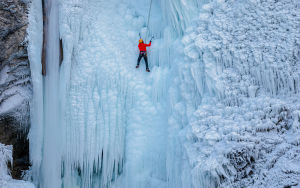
15, 86
258, 145
247, 44
15, 89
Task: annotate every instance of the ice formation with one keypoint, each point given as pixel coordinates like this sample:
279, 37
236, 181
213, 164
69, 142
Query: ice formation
111, 116
6, 180
245, 68
219, 108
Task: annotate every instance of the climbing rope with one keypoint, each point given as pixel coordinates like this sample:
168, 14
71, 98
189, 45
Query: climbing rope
148, 19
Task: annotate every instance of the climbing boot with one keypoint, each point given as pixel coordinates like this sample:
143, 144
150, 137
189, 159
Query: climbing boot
137, 66
148, 70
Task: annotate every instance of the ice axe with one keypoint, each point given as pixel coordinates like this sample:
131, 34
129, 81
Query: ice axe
152, 38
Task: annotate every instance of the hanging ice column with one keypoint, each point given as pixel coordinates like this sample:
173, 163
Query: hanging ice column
95, 101
51, 146
45, 129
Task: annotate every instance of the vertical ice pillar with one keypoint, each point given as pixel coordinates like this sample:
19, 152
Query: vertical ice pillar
45, 130
51, 151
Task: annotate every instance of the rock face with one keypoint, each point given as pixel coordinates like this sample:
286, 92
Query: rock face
15, 84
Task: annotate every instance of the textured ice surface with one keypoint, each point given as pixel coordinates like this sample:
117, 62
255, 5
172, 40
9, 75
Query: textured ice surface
6, 180
113, 119
244, 65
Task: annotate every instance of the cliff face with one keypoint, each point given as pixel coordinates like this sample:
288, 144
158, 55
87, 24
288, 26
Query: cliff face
15, 84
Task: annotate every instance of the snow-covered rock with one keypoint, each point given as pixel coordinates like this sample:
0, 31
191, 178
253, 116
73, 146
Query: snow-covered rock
15, 84
15, 88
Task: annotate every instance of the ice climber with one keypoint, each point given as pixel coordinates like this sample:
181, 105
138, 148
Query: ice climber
143, 53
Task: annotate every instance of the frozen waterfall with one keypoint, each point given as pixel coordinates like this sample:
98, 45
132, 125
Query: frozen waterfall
218, 92
96, 121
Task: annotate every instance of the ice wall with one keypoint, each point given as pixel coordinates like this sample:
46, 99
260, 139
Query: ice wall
234, 85
243, 62
109, 116
110, 121
177, 16
244, 49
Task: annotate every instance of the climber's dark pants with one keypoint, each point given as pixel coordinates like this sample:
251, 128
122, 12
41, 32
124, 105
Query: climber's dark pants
144, 55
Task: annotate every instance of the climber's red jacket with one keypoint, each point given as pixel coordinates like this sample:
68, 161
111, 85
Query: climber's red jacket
142, 46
